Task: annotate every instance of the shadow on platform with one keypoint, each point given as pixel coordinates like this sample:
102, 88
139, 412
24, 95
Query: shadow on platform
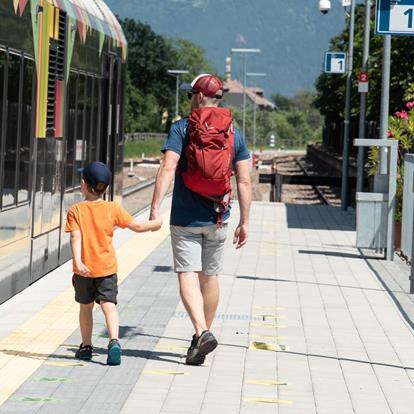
318, 217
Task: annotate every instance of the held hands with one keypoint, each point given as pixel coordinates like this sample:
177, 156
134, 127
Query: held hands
156, 223
240, 235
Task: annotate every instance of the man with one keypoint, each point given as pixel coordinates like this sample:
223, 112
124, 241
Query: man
196, 235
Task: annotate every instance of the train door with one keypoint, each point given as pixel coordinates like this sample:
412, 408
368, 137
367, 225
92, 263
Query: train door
48, 150
111, 149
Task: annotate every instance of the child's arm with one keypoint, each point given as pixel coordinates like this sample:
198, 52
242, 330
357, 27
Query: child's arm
76, 246
145, 225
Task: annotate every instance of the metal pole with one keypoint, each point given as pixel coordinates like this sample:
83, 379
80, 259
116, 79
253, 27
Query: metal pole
176, 95
345, 151
363, 100
244, 98
254, 127
385, 99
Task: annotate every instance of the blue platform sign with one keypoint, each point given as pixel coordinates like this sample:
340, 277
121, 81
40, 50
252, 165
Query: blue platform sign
395, 17
335, 62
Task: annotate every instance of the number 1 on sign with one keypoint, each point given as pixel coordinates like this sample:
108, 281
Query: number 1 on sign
409, 13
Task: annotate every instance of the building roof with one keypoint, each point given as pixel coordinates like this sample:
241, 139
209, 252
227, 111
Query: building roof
253, 93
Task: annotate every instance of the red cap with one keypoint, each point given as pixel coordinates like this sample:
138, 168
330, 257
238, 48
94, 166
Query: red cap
209, 85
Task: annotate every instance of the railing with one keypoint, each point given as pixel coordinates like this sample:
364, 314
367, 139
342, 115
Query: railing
144, 136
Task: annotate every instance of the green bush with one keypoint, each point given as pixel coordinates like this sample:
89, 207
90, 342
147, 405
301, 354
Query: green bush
150, 147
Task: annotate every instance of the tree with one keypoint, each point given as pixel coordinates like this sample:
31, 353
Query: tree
331, 88
150, 89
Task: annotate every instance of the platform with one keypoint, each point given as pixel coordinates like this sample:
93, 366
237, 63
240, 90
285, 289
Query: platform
305, 325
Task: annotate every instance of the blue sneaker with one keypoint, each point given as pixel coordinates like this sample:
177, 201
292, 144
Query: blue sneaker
114, 352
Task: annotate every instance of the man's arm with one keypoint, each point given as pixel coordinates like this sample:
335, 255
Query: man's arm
164, 177
244, 192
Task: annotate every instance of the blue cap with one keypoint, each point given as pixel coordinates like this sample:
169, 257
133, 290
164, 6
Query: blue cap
96, 172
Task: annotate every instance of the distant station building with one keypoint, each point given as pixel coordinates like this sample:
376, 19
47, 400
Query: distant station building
233, 95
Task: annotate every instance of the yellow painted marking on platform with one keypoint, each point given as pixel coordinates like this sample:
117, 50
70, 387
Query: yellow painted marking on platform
66, 363
271, 317
266, 382
266, 400
263, 346
27, 347
162, 372
268, 337
267, 325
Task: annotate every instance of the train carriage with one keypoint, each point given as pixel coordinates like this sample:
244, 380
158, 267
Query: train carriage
62, 89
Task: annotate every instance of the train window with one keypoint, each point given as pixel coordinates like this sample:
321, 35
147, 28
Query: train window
80, 150
26, 131
94, 104
87, 118
71, 129
2, 69
10, 151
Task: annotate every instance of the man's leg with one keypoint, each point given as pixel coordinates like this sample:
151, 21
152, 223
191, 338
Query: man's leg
86, 322
210, 291
193, 300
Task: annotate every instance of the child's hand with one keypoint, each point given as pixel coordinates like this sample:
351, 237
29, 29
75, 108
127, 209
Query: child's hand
82, 269
156, 224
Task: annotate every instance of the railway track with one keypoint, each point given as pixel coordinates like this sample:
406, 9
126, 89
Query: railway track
138, 196
304, 193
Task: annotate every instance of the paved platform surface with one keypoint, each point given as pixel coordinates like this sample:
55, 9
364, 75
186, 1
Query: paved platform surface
305, 325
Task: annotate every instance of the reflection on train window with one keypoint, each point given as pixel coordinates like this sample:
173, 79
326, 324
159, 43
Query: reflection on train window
71, 129
10, 153
95, 122
2, 69
26, 131
80, 150
87, 119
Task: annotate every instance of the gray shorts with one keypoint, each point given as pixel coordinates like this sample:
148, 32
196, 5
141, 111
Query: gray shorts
198, 249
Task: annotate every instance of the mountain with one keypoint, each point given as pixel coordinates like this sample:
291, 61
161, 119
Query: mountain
292, 34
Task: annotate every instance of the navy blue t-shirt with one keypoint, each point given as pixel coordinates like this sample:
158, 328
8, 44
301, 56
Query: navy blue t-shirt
189, 209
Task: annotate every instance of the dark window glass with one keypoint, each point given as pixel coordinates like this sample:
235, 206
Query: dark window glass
26, 125
94, 119
71, 129
2, 69
80, 126
10, 158
87, 118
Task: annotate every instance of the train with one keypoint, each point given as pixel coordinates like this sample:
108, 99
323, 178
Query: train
62, 96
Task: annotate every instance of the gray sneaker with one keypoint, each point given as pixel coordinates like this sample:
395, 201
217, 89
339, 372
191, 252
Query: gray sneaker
200, 347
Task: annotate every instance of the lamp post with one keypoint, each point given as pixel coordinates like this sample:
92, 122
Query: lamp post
177, 73
345, 149
324, 6
253, 74
363, 100
244, 52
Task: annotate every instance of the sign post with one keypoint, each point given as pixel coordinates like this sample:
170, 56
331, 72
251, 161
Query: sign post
363, 82
395, 17
335, 62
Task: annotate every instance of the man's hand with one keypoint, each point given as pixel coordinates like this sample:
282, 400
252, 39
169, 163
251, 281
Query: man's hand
82, 269
240, 235
156, 223
154, 214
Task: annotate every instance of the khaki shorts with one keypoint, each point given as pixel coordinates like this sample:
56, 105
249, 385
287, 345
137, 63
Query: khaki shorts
198, 249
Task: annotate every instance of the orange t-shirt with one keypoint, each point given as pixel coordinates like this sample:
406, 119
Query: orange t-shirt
96, 220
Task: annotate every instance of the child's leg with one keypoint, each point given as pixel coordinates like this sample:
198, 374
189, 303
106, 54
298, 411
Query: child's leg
86, 322
111, 318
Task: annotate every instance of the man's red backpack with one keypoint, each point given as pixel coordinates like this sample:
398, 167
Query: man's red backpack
209, 153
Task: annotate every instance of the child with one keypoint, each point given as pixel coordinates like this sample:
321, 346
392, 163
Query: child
91, 223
